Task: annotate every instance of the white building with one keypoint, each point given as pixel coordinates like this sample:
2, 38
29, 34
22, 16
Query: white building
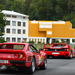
16, 29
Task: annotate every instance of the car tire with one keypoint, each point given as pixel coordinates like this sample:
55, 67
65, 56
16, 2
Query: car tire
31, 69
70, 55
48, 56
44, 66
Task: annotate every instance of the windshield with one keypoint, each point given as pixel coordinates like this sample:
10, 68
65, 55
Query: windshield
58, 45
12, 46
47, 45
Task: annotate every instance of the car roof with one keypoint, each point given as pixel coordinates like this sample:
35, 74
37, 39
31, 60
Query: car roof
15, 43
60, 44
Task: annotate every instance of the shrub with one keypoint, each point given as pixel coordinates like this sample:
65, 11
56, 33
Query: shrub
2, 40
31, 42
56, 41
39, 42
43, 43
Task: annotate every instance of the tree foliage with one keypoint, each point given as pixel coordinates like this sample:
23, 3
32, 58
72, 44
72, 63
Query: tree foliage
43, 9
2, 21
2, 24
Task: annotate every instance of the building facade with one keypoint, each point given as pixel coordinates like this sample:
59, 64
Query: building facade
51, 30
20, 29
16, 29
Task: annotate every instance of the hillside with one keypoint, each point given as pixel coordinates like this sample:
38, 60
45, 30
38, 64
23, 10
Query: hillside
43, 9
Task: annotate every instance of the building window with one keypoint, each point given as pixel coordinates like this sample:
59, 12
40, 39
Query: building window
13, 39
49, 32
14, 31
19, 31
8, 15
24, 31
13, 16
8, 39
3, 38
13, 23
19, 39
23, 17
24, 24
19, 23
8, 30
8, 22
19, 17
4, 15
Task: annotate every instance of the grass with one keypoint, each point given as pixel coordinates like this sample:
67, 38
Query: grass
37, 46
72, 45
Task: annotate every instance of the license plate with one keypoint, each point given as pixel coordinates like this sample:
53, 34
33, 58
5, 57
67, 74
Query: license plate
55, 53
3, 61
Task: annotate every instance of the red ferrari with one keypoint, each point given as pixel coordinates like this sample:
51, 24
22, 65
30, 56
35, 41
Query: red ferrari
58, 49
22, 56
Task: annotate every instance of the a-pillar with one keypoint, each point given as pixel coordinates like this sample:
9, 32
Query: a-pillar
70, 40
50, 40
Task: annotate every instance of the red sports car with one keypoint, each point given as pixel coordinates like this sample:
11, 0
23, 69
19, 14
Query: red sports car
23, 56
58, 49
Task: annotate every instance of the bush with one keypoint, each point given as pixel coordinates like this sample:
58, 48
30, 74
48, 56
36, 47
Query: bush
39, 42
47, 42
43, 43
56, 41
31, 42
2, 40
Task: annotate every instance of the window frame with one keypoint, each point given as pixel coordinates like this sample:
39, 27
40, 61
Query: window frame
24, 24
7, 39
8, 22
14, 39
13, 23
24, 31
19, 24
12, 31
18, 31
35, 50
7, 30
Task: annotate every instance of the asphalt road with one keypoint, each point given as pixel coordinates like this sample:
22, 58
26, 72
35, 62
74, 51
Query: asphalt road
56, 66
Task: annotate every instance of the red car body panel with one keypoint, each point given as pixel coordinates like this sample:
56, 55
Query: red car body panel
10, 56
61, 50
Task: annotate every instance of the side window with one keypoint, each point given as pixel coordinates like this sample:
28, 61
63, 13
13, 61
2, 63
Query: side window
32, 48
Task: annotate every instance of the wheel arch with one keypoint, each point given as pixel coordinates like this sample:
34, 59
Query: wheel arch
71, 51
34, 58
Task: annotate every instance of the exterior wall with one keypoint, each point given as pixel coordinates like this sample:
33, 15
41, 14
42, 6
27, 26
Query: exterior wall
63, 30
51, 29
37, 39
34, 30
18, 37
37, 31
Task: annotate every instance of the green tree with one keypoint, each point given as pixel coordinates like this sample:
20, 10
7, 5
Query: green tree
70, 7
2, 22
27, 6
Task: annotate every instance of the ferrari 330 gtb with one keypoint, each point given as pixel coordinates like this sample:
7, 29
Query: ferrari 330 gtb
58, 49
22, 56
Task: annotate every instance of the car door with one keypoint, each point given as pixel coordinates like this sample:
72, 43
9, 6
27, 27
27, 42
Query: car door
36, 54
